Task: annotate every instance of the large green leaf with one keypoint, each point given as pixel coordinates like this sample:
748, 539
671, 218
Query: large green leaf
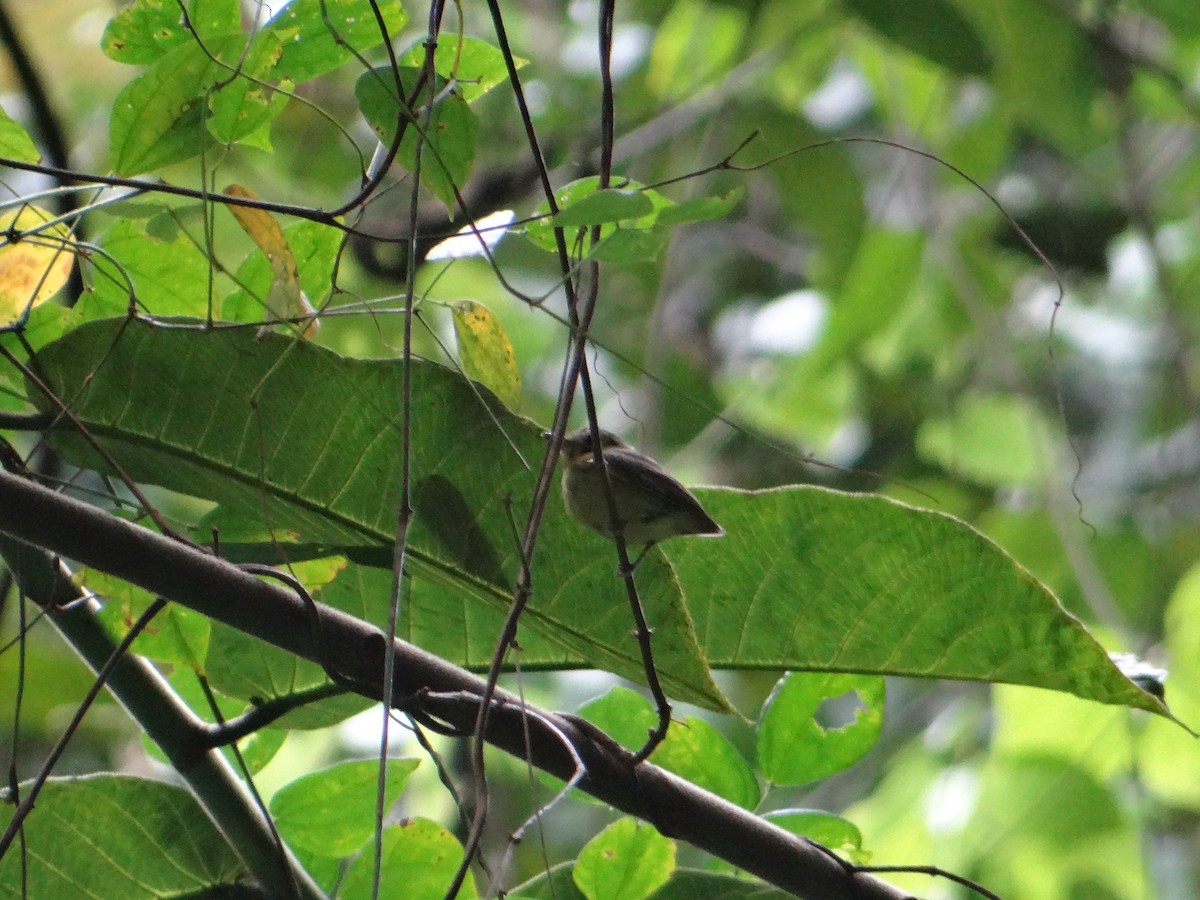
166, 277
117, 836
795, 747
307, 442
825, 581
693, 749
476, 65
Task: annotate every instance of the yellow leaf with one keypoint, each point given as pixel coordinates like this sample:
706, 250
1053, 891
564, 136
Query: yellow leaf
285, 299
35, 261
486, 352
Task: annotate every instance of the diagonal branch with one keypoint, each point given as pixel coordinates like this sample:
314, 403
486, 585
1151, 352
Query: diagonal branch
429, 687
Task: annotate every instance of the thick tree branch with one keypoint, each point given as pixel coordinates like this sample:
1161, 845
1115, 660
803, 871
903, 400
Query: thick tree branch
428, 687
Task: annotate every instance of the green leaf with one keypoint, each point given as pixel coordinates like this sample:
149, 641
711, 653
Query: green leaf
701, 209
625, 715
158, 118
611, 205
990, 438
629, 247
475, 65
1167, 755
142, 32
808, 578
625, 239
255, 749
331, 813
795, 748
248, 102
825, 828
819, 189
934, 29
419, 859
168, 278
688, 884
685, 884
1065, 814
1180, 15
486, 352
242, 666
695, 45
626, 861
436, 619
117, 836
693, 749
176, 635
15, 142
320, 35
554, 883
330, 475
448, 147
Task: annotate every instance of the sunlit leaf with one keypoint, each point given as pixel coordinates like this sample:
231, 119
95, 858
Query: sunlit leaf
158, 118
143, 31
486, 352
795, 747
247, 102
823, 827
611, 205
164, 277
321, 35
15, 142
315, 248
693, 749
285, 298
419, 860
933, 28
133, 838
990, 438
35, 261
629, 233
176, 635
627, 860
331, 812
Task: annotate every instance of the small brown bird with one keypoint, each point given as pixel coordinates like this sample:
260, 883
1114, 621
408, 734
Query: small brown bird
651, 505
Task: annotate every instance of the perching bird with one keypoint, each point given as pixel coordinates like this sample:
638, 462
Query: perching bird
651, 505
